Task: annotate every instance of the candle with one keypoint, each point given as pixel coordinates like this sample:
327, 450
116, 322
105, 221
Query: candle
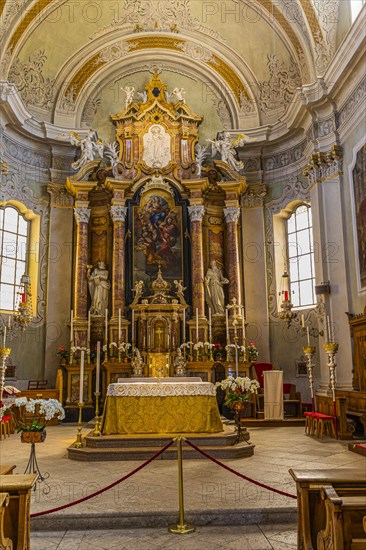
97, 375
286, 294
72, 328
106, 327
4, 339
329, 335
308, 335
184, 325
227, 326
81, 389
168, 338
302, 321
9, 323
196, 325
88, 335
133, 327
119, 325
209, 323
243, 324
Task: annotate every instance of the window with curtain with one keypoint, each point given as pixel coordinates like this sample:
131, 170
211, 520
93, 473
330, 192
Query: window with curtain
14, 229
300, 253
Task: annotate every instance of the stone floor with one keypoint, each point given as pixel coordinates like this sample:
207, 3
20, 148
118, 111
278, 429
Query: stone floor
228, 511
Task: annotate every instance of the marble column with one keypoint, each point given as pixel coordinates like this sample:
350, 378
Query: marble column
232, 214
118, 215
196, 213
82, 215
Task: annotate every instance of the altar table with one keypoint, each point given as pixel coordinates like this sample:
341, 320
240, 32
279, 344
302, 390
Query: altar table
161, 408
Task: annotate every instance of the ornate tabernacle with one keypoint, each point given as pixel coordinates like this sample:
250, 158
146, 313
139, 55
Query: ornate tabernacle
157, 248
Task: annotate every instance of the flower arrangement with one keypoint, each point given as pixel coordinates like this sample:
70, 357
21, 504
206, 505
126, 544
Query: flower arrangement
32, 415
252, 352
238, 390
218, 351
63, 353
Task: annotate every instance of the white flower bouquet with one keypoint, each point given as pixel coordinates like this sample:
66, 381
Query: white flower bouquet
32, 415
238, 390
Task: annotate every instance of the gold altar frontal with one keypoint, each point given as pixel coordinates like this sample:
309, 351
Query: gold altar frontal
161, 415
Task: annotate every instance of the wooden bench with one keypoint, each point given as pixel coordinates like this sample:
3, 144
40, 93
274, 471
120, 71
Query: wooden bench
344, 521
311, 508
17, 513
6, 469
5, 542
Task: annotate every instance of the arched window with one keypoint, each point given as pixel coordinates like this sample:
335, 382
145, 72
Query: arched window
14, 231
300, 257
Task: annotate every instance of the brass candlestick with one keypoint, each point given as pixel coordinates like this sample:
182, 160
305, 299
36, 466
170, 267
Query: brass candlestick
78, 442
309, 352
211, 355
97, 432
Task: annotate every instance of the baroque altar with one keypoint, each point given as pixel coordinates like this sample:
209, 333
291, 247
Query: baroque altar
157, 252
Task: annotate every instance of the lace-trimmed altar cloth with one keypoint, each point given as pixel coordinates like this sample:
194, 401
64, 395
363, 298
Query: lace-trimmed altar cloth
160, 389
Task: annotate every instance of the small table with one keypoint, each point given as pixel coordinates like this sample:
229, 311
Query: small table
161, 408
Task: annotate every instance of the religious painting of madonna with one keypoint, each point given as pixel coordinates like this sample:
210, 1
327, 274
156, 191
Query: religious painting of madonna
157, 234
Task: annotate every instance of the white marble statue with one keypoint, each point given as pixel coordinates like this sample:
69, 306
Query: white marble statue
214, 281
226, 147
201, 154
112, 153
156, 151
99, 288
130, 92
89, 147
179, 94
143, 96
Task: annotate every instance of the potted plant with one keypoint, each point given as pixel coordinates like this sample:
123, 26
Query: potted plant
31, 416
64, 355
238, 391
218, 352
252, 352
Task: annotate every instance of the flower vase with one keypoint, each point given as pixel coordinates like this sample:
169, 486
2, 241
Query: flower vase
33, 437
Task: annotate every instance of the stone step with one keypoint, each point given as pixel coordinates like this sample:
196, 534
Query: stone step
86, 454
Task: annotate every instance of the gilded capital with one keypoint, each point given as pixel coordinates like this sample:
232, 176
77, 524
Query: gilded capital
60, 197
118, 213
82, 214
324, 165
254, 196
196, 212
232, 214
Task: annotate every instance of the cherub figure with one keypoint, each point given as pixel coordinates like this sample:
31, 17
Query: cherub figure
130, 92
179, 94
143, 96
226, 147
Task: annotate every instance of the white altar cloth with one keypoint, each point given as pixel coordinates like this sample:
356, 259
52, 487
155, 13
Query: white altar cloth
152, 380
160, 389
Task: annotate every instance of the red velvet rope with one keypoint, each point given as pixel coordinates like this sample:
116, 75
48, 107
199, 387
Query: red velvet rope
108, 486
238, 473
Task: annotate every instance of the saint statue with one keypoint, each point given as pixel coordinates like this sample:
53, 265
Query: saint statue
156, 151
214, 281
226, 147
99, 288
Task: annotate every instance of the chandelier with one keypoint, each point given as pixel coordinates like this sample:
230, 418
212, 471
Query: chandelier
286, 306
23, 313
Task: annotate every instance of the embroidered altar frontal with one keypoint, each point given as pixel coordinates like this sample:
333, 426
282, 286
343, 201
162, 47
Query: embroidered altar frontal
163, 408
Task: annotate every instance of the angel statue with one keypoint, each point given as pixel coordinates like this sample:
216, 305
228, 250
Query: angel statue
226, 147
143, 96
111, 152
179, 94
201, 154
89, 147
130, 92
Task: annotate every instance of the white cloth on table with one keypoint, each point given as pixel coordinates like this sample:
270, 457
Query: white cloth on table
151, 380
273, 395
161, 389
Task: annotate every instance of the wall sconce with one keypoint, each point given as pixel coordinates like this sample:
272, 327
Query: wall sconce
286, 306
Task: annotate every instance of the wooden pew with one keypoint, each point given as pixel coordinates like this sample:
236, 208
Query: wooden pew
17, 514
311, 508
344, 518
6, 469
5, 543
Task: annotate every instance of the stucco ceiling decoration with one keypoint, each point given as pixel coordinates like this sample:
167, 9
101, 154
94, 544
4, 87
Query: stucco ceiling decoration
98, 60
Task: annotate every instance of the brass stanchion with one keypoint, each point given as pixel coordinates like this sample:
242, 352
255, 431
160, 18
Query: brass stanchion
181, 528
78, 442
97, 432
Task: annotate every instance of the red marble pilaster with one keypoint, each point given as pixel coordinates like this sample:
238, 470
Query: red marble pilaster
82, 216
196, 213
232, 249
118, 214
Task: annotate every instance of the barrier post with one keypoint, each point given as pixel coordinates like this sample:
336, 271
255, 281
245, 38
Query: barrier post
181, 528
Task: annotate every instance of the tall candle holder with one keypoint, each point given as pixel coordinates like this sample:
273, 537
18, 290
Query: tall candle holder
97, 432
236, 357
309, 352
4, 354
78, 442
331, 349
210, 352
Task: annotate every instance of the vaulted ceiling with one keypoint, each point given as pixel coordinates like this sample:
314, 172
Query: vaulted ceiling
239, 61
